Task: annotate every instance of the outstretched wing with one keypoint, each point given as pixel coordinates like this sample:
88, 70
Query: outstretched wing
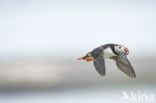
124, 65
99, 62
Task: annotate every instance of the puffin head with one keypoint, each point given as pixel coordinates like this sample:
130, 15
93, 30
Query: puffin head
121, 49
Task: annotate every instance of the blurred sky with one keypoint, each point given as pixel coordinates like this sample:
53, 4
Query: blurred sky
66, 28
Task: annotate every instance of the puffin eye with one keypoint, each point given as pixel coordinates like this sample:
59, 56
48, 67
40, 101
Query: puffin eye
119, 47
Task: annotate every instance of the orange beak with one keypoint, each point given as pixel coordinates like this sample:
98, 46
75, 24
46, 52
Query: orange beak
126, 49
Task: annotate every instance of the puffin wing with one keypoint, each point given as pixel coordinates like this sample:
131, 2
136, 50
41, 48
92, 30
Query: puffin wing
99, 62
125, 66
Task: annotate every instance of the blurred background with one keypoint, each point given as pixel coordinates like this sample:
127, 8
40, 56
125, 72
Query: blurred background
40, 41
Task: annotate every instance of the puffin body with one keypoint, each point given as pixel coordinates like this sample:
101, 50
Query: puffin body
110, 51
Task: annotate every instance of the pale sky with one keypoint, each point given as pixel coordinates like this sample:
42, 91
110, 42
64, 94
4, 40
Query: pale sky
71, 28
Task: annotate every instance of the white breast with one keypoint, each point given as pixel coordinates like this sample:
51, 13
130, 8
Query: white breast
108, 53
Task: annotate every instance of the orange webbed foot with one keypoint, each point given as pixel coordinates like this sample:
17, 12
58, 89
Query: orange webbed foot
83, 58
89, 60
80, 58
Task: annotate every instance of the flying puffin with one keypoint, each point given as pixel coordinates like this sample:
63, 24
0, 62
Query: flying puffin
110, 51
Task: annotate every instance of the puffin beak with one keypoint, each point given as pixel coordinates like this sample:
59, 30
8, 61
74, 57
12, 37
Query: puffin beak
126, 49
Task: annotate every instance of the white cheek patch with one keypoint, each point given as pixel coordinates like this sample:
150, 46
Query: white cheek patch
119, 50
108, 53
122, 50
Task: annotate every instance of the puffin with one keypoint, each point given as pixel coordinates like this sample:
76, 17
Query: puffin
116, 52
